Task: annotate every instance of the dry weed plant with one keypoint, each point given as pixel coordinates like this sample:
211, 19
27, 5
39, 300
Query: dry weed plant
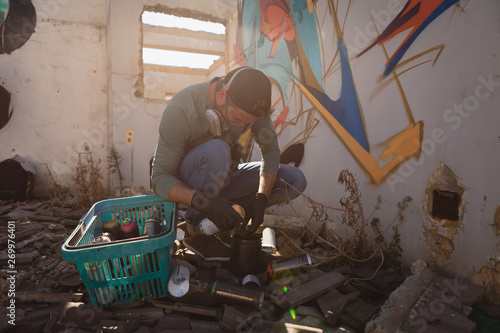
88, 179
58, 191
361, 247
114, 161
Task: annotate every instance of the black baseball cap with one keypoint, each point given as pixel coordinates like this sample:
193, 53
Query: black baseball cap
249, 89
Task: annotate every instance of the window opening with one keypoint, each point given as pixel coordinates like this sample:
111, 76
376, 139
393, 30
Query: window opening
166, 55
177, 58
172, 21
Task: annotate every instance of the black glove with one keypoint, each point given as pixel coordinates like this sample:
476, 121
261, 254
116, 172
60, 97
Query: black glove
256, 212
217, 210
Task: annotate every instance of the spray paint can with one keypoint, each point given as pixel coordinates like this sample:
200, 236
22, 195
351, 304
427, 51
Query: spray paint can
208, 228
113, 228
152, 228
235, 293
245, 255
102, 238
291, 263
269, 241
129, 228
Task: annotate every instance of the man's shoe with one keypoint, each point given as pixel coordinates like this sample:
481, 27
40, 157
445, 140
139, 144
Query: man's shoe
209, 248
224, 237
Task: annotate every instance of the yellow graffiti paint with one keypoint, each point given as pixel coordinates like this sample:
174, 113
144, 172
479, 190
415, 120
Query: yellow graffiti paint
400, 147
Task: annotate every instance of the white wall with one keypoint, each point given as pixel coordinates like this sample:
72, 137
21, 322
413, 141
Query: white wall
75, 80
129, 110
467, 142
59, 90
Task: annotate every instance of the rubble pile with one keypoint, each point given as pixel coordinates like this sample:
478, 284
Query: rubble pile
319, 297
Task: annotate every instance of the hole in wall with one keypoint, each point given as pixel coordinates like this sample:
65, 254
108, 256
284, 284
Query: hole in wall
444, 203
444, 207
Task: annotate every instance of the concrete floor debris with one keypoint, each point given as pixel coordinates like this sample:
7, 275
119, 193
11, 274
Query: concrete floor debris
50, 296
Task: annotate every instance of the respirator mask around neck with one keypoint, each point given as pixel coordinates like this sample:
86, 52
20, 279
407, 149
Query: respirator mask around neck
219, 124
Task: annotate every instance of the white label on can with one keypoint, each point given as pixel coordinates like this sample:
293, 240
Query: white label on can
207, 227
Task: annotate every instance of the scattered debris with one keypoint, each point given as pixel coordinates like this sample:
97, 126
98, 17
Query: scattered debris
320, 296
426, 302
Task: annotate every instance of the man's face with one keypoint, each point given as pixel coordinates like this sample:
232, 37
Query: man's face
238, 116
234, 113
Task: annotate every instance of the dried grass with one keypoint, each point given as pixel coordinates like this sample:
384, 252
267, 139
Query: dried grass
359, 247
88, 179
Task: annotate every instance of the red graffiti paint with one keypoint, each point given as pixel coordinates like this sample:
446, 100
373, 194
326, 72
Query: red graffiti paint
276, 22
416, 15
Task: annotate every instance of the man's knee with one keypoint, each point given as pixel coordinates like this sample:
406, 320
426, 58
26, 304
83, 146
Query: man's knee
295, 180
299, 183
218, 149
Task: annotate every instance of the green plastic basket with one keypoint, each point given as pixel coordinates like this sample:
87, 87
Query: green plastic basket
124, 271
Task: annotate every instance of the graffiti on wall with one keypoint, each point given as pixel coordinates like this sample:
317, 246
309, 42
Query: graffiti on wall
416, 15
283, 39
17, 24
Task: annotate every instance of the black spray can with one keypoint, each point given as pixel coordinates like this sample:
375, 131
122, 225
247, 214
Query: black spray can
291, 263
235, 293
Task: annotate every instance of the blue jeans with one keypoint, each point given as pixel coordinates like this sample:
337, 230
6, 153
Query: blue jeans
207, 168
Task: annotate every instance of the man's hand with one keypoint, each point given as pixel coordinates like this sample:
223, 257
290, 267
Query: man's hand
256, 212
217, 210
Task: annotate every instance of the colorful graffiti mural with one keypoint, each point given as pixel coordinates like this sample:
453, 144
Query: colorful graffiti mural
283, 39
416, 14
17, 24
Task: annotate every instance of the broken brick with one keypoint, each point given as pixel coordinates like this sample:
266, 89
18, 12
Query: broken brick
435, 311
188, 308
346, 319
47, 297
466, 292
490, 310
425, 327
116, 326
205, 326
141, 313
173, 322
333, 303
363, 271
234, 316
85, 316
313, 288
360, 310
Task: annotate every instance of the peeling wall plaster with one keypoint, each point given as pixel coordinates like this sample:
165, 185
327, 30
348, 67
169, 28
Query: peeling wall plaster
440, 235
489, 277
496, 221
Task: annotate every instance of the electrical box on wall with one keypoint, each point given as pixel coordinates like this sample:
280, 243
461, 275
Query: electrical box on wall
129, 137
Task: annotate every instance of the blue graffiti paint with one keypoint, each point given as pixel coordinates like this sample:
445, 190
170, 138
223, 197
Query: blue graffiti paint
398, 55
345, 109
305, 27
